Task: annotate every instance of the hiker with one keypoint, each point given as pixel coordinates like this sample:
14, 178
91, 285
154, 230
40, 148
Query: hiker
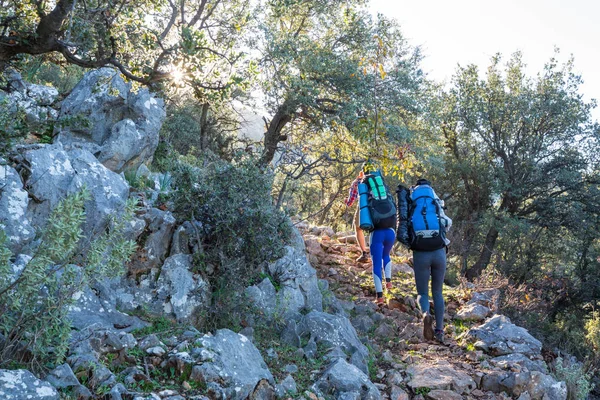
427, 224
360, 237
378, 215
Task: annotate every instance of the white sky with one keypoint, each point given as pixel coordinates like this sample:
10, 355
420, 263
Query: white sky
453, 32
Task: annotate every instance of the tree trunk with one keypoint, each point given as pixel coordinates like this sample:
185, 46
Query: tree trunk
273, 134
45, 38
485, 256
203, 127
281, 193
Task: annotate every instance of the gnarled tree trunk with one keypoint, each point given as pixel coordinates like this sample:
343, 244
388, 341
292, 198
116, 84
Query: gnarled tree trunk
485, 255
273, 134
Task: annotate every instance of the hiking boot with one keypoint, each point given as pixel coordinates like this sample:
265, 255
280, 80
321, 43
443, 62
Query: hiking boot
388, 285
439, 336
428, 326
380, 301
363, 258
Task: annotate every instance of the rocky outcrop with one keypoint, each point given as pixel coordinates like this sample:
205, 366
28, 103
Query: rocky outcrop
33, 100
231, 363
173, 291
13, 208
21, 384
344, 381
498, 336
298, 287
439, 376
56, 173
121, 126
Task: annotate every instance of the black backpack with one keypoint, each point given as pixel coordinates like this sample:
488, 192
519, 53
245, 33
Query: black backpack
381, 203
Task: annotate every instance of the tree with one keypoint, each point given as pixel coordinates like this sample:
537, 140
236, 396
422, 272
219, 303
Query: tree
191, 41
516, 144
315, 66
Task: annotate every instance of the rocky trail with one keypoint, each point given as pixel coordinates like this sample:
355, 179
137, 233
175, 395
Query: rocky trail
479, 360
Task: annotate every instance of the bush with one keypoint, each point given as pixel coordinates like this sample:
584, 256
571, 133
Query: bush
187, 132
241, 229
576, 378
34, 303
592, 332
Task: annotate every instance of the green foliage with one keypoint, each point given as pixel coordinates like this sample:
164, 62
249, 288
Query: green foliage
158, 325
192, 128
592, 329
576, 378
240, 227
423, 391
189, 42
34, 304
43, 70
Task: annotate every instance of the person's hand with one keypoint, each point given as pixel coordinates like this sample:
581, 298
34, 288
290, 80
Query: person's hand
361, 175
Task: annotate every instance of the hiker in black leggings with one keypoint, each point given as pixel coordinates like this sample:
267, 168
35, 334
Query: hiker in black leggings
426, 264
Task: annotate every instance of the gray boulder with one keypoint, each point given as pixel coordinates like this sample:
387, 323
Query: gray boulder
89, 309
62, 377
232, 362
173, 290
56, 173
181, 291
536, 385
498, 336
440, 376
263, 297
334, 331
13, 208
287, 387
507, 361
545, 387
33, 100
342, 380
154, 249
123, 126
299, 285
472, 312
21, 384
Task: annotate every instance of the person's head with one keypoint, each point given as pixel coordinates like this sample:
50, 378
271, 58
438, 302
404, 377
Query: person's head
423, 181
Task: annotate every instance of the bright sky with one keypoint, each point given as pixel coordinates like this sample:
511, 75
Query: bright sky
453, 32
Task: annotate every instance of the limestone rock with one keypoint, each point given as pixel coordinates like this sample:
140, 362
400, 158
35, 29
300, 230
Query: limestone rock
13, 208
440, 376
21, 384
472, 312
343, 379
123, 126
498, 336
236, 364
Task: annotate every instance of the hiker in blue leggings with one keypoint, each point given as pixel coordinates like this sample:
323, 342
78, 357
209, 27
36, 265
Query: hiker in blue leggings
382, 241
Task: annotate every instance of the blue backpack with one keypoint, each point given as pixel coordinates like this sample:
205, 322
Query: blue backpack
425, 229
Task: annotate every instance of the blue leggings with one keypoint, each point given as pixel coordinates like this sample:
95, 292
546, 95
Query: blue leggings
431, 264
382, 241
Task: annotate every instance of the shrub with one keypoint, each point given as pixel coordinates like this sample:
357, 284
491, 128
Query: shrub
34, 303
241, 229
592, 332
576, 378
191, 128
